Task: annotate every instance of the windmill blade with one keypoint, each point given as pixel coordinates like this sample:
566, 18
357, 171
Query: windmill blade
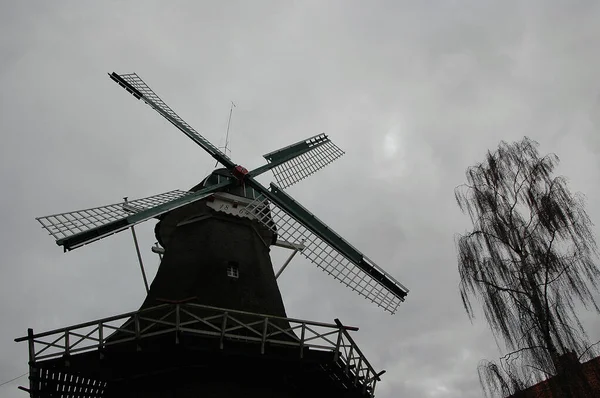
297, 161
324, 247
74, 229
140, 90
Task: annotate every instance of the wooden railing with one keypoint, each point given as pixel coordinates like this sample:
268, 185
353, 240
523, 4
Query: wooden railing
211, 322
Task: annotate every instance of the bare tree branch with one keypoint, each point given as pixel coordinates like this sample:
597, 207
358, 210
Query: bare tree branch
587, 349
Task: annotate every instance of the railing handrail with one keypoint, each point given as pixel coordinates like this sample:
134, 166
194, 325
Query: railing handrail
161, 306
91, 323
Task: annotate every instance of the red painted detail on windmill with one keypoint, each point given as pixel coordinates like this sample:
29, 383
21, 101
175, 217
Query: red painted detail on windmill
240, 172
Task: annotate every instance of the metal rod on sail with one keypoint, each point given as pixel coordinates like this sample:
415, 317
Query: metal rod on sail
137, 249
286, 263
139, 255
227, 133
295, 247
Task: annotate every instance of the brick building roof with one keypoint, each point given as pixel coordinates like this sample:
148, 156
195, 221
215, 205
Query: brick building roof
584, 380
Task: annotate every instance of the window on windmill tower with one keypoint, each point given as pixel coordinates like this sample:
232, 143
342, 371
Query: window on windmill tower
233, 270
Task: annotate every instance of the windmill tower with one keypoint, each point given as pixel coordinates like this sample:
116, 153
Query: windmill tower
213, 323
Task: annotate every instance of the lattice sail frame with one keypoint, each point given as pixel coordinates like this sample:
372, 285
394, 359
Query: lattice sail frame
323, 255
321, 153
64, 225
142, 91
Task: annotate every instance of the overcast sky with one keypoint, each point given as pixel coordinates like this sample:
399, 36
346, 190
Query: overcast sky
414, 92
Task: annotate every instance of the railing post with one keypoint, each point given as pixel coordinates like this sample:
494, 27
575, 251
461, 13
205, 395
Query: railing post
264, 335
336, 355
101, 335
357, 372
33, 376
349, 358
101, 339
136, 321
302, 334
177, 321
31, 345
67, 343
223, 328
67, 354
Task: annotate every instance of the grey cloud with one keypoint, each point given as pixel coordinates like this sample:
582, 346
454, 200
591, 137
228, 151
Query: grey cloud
441, 82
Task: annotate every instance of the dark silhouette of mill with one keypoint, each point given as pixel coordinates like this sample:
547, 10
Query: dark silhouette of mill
213, 323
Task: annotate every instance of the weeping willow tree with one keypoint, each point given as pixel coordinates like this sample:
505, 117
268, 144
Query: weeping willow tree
529, 260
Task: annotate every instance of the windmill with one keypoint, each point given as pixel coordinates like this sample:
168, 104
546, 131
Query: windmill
215, 290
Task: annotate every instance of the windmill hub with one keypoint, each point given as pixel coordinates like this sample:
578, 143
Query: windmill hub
240, 172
